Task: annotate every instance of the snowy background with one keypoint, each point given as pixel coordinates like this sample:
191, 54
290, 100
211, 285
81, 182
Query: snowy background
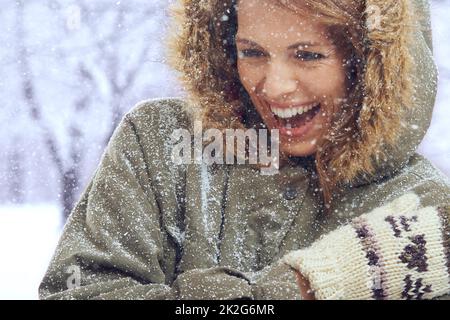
69, 71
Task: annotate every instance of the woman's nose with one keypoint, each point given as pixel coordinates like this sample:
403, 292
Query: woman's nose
279, 82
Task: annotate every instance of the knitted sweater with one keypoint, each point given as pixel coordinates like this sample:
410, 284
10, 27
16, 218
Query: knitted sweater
398, 251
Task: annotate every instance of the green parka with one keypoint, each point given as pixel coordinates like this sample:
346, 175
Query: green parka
147, 229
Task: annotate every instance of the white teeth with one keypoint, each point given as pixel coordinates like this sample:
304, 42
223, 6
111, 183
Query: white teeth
287, 113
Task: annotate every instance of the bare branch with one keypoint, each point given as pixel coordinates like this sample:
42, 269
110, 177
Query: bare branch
35, 109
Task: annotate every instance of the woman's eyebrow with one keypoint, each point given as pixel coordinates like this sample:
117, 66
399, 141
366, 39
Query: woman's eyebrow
293, 46
304, 44
246, 41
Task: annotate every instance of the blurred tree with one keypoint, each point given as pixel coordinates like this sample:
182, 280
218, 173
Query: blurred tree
99, 54
16, 173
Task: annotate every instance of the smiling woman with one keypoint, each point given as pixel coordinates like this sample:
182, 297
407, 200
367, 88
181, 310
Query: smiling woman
353, 213
295, 86
301, 68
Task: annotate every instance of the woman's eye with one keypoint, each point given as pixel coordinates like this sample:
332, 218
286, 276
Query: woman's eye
250, 53
308, 56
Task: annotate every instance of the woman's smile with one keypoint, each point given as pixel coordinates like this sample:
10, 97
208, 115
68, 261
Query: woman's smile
296, 120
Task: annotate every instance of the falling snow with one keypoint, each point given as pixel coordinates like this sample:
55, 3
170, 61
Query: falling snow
80, 78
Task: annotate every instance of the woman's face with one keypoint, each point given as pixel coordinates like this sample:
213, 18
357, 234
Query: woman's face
291, 70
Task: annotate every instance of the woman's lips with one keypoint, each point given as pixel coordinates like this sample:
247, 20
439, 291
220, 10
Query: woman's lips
295, 121
290, 105
286, 113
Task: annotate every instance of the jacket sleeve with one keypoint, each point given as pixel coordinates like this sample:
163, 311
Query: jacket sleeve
112, 244
397, 251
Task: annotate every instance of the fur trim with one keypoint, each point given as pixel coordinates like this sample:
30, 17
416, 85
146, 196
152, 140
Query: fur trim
388, 91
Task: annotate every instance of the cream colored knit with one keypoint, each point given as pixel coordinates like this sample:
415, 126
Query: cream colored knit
397, 251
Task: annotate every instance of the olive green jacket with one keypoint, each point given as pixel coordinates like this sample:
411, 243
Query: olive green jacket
146, 229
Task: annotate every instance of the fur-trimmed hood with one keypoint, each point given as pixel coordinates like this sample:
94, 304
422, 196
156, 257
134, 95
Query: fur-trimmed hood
400, 82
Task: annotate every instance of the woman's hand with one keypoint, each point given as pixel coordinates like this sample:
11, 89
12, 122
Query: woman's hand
305, 288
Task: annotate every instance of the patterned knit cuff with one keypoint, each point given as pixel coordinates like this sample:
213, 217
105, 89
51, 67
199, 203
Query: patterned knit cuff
444, 213
394, 252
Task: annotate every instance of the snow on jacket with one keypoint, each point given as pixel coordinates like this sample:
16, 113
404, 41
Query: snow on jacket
147, 229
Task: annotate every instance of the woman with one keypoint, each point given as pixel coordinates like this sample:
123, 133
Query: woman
354, 212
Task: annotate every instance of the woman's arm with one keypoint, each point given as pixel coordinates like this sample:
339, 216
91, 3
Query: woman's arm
113, 246
397, 251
